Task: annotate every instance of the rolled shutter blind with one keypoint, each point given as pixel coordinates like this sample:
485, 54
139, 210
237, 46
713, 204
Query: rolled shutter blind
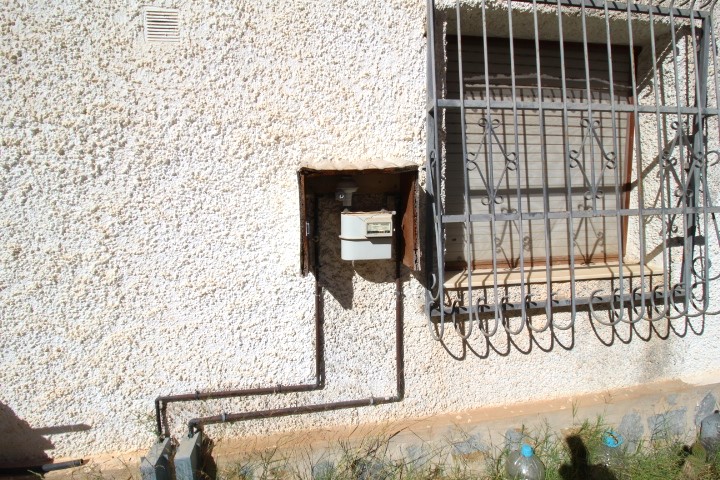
599, 158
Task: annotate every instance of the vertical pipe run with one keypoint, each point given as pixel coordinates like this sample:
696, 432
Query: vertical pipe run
196, 424
161, 403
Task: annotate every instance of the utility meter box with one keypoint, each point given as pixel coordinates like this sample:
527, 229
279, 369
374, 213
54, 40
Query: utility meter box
366, 235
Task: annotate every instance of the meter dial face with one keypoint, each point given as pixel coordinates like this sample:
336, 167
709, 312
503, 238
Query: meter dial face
379, 228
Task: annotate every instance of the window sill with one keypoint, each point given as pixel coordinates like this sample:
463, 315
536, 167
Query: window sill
482, 278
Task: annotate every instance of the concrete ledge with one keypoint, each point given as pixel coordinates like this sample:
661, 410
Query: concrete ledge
641, 413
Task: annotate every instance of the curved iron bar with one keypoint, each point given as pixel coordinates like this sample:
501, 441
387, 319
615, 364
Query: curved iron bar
455, 308
650, 318
437, 298
505, 321
548, 322
707, 198
611, 310
676, 288
666, 307
571, 323
511, 162
653, 308
483, 330
431, 303
437, 227
705, 300
543, 154
632, 319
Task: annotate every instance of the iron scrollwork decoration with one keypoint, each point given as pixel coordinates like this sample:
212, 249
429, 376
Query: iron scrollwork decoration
683, 207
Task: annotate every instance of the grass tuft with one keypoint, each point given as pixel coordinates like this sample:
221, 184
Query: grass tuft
573, 454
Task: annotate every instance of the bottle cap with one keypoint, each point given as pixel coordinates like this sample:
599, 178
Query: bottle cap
526, 450
612, 439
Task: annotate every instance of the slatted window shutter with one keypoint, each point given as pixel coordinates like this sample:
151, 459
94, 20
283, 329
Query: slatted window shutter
598, 155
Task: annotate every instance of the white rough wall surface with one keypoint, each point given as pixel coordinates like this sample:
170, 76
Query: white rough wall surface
149, 229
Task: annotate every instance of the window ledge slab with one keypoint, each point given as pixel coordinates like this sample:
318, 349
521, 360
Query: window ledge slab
482, 278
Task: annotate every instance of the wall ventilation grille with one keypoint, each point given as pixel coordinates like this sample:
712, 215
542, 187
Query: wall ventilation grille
161, 24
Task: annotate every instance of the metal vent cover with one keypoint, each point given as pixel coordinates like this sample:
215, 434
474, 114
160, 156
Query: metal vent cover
161, 24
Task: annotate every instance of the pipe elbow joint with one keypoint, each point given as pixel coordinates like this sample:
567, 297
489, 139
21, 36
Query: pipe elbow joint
194, 427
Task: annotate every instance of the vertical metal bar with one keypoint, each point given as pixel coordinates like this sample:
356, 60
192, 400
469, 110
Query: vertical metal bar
490, 181
433, 176
618, 155
687, 246
661, 148
568, 174
640, 189
589, 98
543, 159
518, 169
700, 57
707, 199
467, 208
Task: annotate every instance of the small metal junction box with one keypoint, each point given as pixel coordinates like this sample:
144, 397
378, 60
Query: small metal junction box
366, 235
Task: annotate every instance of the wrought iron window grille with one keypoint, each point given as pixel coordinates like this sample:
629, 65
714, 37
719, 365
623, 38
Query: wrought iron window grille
572, 150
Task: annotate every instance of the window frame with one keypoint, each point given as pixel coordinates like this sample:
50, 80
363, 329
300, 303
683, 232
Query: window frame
673, 298
599, 53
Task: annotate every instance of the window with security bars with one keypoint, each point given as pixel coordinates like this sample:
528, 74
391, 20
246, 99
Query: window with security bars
515, 158
571, 151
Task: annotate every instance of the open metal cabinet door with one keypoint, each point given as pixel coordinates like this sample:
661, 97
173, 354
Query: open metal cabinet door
400, 182
409, 220
306, 227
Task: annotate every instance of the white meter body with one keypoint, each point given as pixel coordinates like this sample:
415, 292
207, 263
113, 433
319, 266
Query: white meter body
366, 235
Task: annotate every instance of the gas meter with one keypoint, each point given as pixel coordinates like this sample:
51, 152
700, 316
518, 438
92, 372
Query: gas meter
366, 235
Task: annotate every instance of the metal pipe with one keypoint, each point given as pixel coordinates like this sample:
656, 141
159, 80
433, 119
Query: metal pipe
319, 383
197, 424
44, 468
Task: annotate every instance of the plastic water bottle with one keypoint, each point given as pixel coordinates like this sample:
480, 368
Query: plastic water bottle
610, 452
524, 465
710, 433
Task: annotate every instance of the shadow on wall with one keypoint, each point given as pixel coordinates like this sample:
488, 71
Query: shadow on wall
24, 446
510, 334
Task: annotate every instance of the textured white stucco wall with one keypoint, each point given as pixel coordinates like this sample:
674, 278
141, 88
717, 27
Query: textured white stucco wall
148, 240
